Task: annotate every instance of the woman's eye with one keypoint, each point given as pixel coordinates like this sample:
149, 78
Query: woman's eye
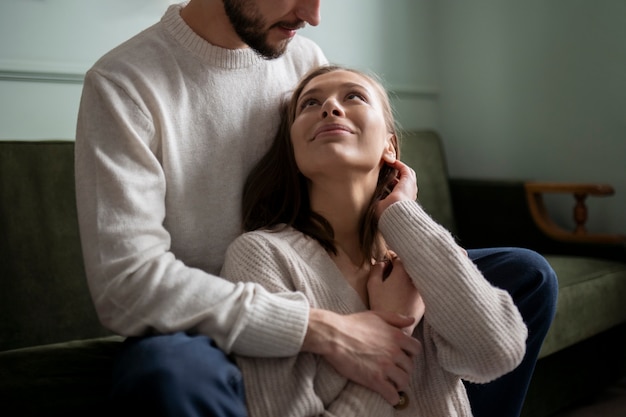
308, 102
356, 96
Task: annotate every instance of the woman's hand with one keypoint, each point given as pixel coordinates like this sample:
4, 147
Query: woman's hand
405, 187
394, 292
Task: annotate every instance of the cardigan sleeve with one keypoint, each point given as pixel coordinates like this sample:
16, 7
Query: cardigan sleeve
478, 331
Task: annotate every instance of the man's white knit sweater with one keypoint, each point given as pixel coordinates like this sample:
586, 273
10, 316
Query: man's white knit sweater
169, 127
470, 330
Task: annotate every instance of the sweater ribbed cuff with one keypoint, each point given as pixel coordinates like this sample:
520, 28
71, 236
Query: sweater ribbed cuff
276, 327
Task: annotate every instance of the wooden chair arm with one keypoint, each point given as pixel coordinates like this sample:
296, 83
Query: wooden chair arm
539, 213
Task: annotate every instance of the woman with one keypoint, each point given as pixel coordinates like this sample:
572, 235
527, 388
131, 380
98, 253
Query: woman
325, 209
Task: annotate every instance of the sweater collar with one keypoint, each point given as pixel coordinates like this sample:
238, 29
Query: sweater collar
209, 53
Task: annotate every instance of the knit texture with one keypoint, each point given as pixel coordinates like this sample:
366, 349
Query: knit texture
169, 127
470, 330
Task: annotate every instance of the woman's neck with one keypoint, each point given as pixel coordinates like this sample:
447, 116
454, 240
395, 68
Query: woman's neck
343, 204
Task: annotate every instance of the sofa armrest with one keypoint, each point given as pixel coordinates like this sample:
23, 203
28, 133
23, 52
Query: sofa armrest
580, 192
511, 213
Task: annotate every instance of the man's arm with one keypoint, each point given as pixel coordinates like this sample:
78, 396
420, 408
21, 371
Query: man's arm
139, 286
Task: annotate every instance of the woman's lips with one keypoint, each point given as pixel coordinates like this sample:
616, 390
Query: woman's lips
337, 128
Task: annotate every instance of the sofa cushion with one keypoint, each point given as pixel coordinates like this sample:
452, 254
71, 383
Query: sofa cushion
591, 299
63, 379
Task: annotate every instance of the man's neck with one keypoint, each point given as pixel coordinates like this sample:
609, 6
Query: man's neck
208, 20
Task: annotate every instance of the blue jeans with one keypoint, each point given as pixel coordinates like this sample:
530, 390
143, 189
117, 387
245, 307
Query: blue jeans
182, 375
532, 283
176, 375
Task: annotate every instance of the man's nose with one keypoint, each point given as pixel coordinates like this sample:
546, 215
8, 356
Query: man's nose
309, 11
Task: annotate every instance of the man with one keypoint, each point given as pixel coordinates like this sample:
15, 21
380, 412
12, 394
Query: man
169, 125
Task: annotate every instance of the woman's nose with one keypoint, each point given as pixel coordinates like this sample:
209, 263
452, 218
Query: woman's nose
331, 107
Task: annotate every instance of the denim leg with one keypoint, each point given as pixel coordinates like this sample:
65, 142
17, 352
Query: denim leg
176, 375
532, 283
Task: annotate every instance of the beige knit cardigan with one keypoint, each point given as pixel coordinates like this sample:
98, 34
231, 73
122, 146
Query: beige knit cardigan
470, 330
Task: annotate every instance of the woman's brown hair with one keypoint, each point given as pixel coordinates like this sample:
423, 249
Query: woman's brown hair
276, 192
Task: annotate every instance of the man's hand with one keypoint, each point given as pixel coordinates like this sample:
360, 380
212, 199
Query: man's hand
395, 293
368, 348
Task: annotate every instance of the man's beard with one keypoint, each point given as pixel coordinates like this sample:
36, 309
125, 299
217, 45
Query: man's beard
250, 27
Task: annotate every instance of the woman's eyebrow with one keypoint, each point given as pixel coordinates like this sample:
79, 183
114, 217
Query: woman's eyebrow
345, 86
307, 93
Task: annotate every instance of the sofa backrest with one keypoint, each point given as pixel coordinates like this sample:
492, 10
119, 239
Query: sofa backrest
423, 151
43, 290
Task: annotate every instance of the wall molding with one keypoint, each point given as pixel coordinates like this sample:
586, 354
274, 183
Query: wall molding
42, 76
395, 91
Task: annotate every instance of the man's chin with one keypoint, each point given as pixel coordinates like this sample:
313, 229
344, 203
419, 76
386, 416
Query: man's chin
273, 52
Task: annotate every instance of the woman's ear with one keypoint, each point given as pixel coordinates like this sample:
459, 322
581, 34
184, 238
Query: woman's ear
389, 155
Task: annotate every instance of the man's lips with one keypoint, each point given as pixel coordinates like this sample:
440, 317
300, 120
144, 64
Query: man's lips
331, 128
290, 26
289, 30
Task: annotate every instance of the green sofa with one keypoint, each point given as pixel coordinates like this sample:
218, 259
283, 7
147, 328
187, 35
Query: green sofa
55, 357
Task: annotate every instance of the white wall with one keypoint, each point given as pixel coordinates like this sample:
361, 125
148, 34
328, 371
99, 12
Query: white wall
537, 90
531, 89
394, 39
46, 46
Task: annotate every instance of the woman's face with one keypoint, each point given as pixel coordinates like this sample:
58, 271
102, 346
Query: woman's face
339, 123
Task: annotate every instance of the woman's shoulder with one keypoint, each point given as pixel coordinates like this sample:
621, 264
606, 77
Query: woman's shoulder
281, 237
279, 232
281, 255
